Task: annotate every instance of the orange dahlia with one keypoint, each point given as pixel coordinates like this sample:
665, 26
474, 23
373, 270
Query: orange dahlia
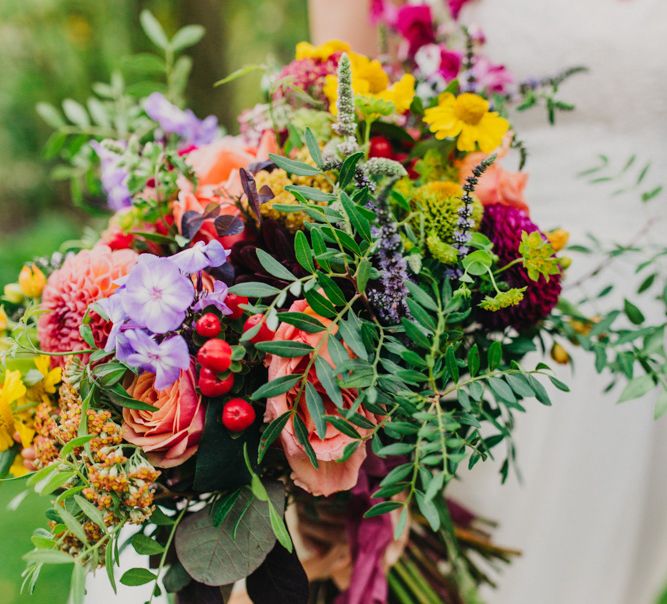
83, 279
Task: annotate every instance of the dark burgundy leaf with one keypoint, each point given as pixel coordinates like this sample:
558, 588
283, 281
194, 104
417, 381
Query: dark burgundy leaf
258, 166
198, 593
212, 210
250, 189
279, 580
228, 225
191, 223
265, 194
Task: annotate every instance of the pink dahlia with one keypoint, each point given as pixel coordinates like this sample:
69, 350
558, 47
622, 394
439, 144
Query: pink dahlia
83, 279
503, 225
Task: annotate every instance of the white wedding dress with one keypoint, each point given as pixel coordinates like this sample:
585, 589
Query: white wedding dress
591, 513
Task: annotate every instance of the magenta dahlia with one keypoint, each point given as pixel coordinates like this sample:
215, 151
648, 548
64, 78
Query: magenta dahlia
504, 225
83, 279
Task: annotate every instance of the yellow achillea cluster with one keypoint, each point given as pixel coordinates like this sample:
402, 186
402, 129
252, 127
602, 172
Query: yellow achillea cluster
436, 207
122, 488
537, 255
501, 300
277, 180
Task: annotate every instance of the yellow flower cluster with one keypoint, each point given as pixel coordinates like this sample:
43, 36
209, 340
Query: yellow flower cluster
18, 405
370, 82
31, 283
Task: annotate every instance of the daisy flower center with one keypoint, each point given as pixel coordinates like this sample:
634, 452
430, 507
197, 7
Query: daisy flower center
470, 108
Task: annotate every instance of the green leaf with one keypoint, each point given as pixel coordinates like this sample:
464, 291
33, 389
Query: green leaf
154, 31
108, 374
320, 304
363, 274
86, 333
313, 147
292, 166
273, 267
637, 388
360, 224
271, 433
239, 73
72, 524
304, 322
146, 546
495, 355
121, 397
79, 441
224, 506
137, 576
109, 565
304, 255
541, 393
254, 289
275, 387
50, 115
343, 426
328, 380
350, 332
48, 556
176, 578
348, 169
91, 511
316, 409
473, 360
285, 348
382, 508
331, 290
478, 262
421, 296
520, 386
558, 384
215, 555
396, 449
452, 366
302, 436
660, 405
279, 529
310, 193
186, 37
76, 113
633, 313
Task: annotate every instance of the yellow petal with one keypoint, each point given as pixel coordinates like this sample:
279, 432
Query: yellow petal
25, 433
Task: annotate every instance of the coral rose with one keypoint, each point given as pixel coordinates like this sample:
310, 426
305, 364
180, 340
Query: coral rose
496, 185
83, 279
169, 436
331, 476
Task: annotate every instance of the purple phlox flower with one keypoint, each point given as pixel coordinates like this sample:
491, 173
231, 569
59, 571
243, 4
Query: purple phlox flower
185, 123
165, 360
215, 298
157, 294
455, 7
113, 309
490, 76
114, 178
200, 256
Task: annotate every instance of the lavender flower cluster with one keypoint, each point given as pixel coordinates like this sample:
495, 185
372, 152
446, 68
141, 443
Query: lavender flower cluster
184, 123
389, 297
150, 307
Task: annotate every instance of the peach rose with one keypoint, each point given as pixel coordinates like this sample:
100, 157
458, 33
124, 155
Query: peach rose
496, 185
331, 476
170, 435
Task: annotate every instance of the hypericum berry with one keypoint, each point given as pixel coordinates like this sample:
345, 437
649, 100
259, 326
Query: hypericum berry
237, 415
264, 334
211, 386
208, 325
233, 302
215, 355
380, 147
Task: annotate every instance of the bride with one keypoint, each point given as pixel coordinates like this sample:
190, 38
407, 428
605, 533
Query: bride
590, 512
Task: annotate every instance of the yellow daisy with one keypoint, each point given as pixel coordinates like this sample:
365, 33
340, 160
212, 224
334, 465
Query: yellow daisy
51, 377
467, 117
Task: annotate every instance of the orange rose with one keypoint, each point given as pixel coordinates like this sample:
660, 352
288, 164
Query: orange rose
170, 435
331, 476
496, 185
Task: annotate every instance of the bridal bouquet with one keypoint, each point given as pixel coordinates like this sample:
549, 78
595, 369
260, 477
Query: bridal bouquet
284, 345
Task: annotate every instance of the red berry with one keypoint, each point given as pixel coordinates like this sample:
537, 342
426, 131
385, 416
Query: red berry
211, 386
121, 241
380, 147
215, 355
264, 334
237, 415
208, 325
233, 302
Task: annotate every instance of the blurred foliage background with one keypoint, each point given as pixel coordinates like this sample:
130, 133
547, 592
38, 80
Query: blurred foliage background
56, 49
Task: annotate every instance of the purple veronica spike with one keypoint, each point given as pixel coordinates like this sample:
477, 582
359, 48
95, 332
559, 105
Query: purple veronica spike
165, 360
156, 294
215, 298
114, 178
173, 120
200, 256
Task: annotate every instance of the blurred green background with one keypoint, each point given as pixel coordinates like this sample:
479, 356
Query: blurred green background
54, 49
